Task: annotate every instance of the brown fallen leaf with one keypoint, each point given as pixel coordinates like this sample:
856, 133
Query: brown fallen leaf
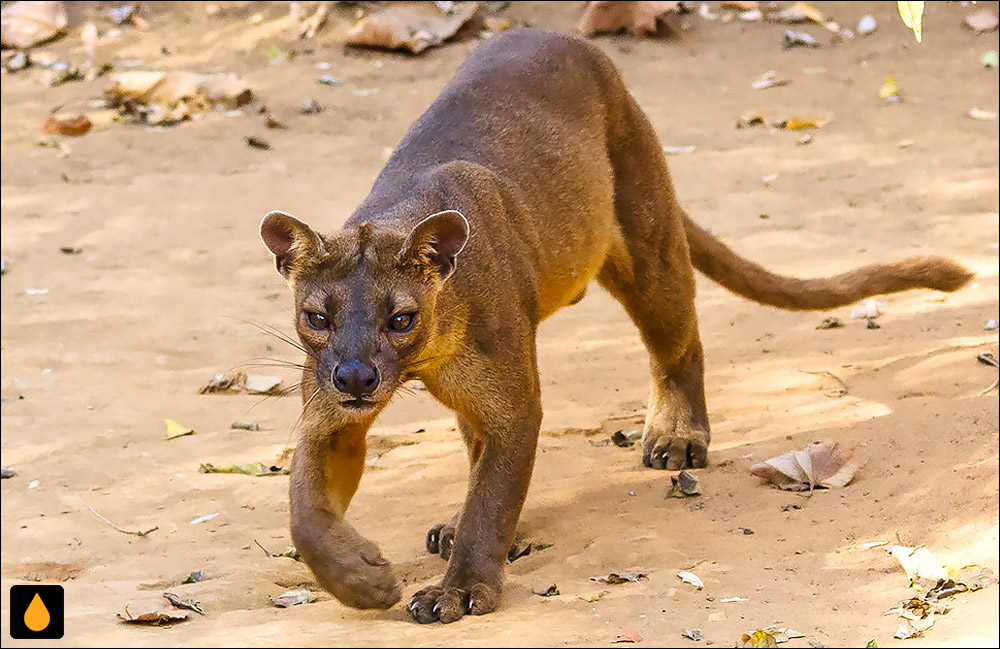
832, 322
70, 126
164, 98
153, 618
221, 383
411, 26
257, 143
256, 469
629, 636
823, 464
638, 18
623, 578
551, 591
751, 118
23, 24
271, 122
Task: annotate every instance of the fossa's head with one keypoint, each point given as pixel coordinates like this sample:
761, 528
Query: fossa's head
365, 301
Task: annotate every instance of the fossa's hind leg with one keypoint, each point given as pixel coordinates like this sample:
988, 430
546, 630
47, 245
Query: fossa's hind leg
676, 432
648, 269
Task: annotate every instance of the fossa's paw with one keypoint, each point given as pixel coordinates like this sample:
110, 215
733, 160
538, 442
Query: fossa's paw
441, 539
449, 604
681, 448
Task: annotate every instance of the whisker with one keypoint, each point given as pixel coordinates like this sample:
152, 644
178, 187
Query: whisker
277, 333
272, 362
298, 419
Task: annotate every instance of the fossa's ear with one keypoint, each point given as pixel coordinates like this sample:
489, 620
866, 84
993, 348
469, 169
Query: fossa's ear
289, 239
437, 240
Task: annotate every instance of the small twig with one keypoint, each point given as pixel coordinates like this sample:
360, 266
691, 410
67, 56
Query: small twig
993, 386
843, 386
270, 555
143, 534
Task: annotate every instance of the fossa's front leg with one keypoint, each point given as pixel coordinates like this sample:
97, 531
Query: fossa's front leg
502, 433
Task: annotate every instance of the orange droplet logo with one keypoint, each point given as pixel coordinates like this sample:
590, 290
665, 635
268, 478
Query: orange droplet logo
36, 617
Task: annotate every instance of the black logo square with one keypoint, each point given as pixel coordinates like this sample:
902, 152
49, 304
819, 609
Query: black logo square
36, 612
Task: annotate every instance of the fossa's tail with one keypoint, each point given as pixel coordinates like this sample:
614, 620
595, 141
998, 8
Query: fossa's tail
752, 281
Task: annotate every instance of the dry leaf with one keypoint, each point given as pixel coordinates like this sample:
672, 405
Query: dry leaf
258, 384
224, 383
799, 12
255, 469
795, 39
23, 24
629, 636
800, 123
153, 618
71, 126
183, 603
984, 20
271, 122
911, 13
783, 634
162, 98
683, 485
832, 322
176, 430
691, 578
751, 118
88, 36
313, 23
759, 639
551, 591
978, 113
823, 464
918, 563
638, 18
768, 80
889, 91
976, 577
615, 578
293, 598
411, 26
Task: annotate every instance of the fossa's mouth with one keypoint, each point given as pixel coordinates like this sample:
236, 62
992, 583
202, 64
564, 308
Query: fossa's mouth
358, 405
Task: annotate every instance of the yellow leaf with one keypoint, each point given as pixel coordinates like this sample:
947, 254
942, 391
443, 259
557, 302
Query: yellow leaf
176, 430
889, 91
911, 13
809, 11
798, 123
758, 640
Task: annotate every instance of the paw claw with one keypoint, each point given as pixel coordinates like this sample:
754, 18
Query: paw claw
451, 604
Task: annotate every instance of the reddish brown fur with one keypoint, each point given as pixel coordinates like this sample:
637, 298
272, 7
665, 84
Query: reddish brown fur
538, 144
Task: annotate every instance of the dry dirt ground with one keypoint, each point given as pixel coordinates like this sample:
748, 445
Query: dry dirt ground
171, 265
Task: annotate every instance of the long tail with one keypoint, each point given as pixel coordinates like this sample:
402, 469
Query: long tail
743, 277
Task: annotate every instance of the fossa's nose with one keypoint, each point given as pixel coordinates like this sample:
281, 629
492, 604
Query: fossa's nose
356, 378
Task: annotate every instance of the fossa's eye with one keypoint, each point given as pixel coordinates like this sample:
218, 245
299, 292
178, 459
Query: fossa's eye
317, 320
402, 322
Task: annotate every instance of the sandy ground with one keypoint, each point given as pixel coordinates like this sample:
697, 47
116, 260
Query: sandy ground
171, 265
